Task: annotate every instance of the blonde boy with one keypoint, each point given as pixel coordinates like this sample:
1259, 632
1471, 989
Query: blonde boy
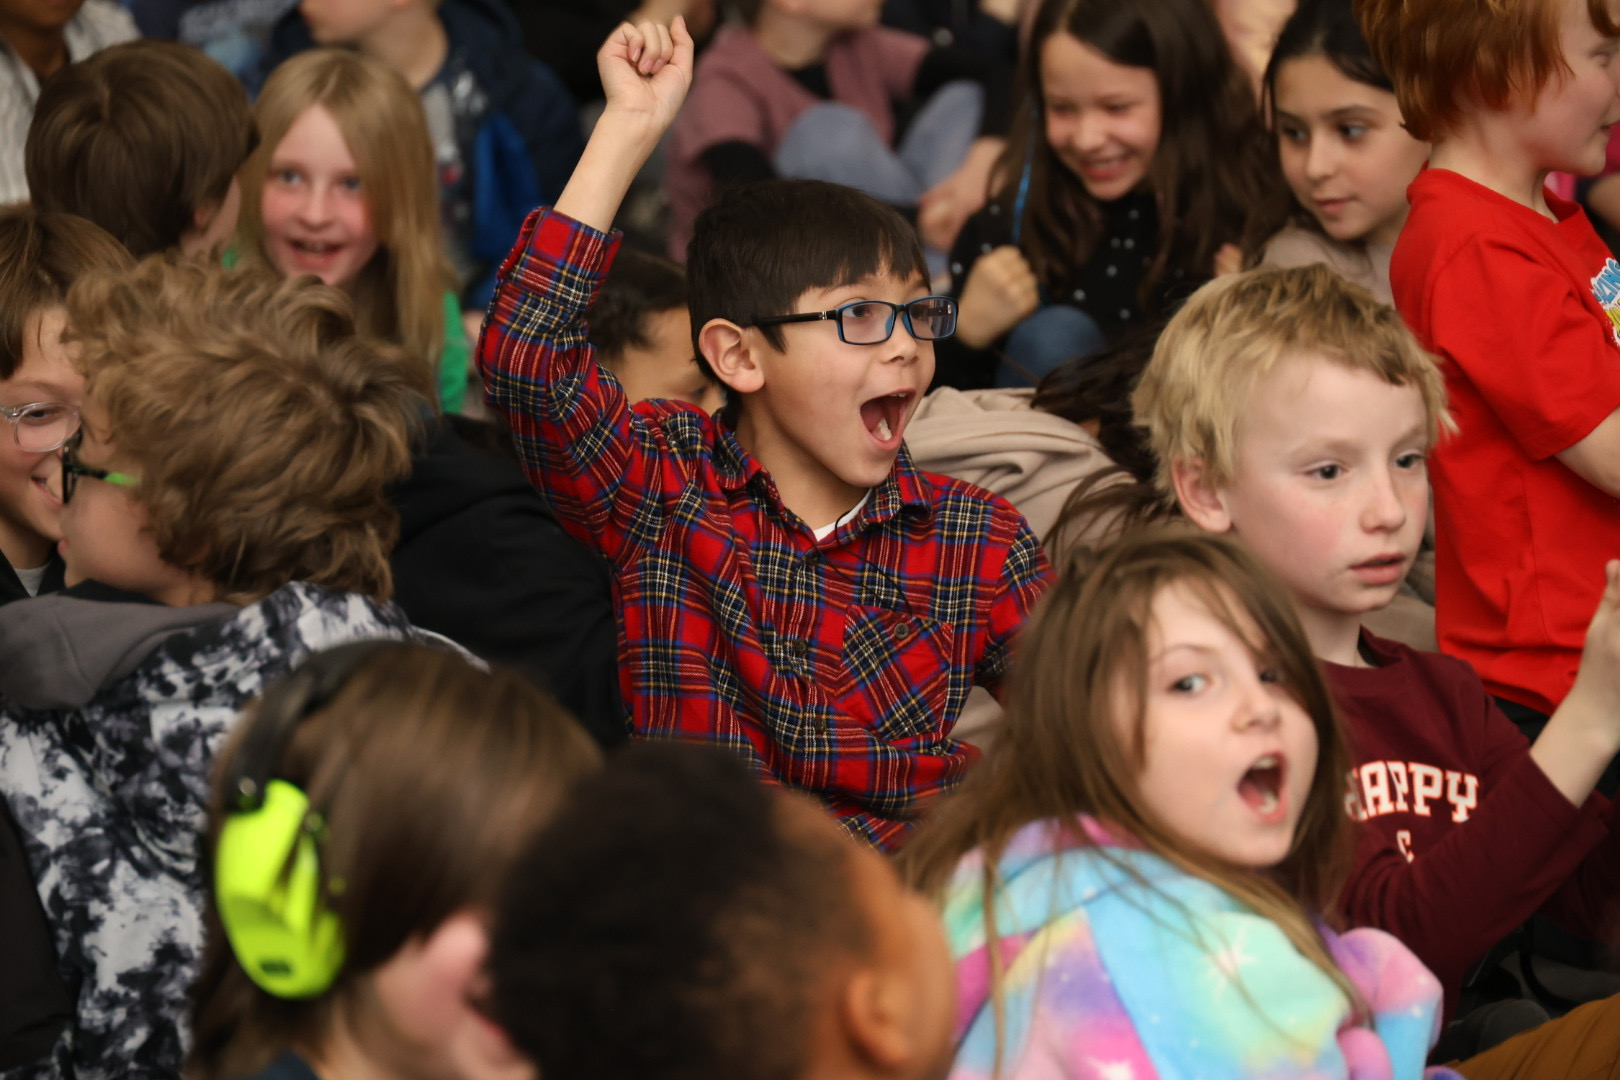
789, 585
1291, 409
1512, 289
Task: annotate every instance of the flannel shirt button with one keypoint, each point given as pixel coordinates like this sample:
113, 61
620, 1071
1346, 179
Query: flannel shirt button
902, 631
801, 647
812, 556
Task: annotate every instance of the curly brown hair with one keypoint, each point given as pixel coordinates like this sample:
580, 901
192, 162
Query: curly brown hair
263, 428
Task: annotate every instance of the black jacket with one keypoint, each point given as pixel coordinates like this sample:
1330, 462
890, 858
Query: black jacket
482, 560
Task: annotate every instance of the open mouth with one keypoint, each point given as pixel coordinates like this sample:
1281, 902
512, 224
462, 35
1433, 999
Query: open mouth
885, 416
314, 247
1261, 787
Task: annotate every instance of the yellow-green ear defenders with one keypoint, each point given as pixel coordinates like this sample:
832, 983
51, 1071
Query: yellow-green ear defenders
267, 872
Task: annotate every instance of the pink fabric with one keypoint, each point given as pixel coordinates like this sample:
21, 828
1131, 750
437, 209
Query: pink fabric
739, 94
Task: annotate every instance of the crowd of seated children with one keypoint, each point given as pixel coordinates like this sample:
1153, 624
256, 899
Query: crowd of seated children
1295, 412
642, 332
1133, 879
1135, 158
788, 584
36, 42
172, 125
505, 131
815, 89
677, 920
1341, 146
716, 532
1512, 289
427, 777
341, 186
223, 514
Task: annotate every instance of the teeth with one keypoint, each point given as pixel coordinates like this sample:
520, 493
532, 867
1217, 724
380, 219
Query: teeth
1268, 801
883, 431
1267, 762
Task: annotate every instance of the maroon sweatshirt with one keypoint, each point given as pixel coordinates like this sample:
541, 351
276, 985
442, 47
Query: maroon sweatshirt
1463, 837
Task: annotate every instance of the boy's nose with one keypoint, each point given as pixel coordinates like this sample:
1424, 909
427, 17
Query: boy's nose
1384, 510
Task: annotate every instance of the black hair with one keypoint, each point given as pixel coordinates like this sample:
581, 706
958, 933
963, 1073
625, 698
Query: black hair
755, 251
1325, 28
637, 285
671, 923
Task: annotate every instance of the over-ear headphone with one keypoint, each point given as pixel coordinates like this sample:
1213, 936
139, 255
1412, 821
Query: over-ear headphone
267, 871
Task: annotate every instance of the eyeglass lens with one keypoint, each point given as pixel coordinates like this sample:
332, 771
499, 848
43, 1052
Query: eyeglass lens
868, 323
43, 427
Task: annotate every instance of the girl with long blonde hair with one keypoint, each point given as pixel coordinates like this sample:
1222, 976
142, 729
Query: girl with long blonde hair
343, 186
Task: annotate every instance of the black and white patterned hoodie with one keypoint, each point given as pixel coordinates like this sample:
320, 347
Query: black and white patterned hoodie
111, 711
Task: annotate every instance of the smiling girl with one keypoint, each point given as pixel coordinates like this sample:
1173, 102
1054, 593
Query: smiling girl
1131, 166
1342, 148
343, 186
1133, 880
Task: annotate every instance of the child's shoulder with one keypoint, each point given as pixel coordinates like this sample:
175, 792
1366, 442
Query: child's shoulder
958, 503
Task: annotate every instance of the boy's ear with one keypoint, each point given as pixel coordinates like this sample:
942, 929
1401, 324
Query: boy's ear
1201, 500
875, 1012
732, 353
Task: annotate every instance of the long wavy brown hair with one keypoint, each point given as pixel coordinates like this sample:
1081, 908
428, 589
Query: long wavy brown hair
1060, 753
1212, 164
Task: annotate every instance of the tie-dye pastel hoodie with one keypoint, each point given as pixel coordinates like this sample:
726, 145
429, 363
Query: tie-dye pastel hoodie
1119, 977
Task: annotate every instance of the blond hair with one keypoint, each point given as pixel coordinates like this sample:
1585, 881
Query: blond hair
263, 430
1194, 393
399, 294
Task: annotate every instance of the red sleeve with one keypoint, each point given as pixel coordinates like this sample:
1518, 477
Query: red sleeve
1543, 361
1486, 875
604, 466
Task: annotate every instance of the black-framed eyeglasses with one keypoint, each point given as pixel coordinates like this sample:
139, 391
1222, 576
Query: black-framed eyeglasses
41, 426
73, 468
871, 322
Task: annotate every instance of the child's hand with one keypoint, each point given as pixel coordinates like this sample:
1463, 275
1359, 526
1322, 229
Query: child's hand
646, 71
1228, 260
1000, 291
1600, 657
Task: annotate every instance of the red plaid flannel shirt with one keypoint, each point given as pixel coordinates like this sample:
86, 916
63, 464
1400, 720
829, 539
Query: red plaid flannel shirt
837, 666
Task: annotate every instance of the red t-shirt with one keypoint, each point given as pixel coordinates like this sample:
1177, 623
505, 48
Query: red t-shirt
1523, 314
1463, 835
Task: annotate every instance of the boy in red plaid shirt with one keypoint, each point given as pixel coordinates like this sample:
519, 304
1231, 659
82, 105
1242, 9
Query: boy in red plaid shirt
789, 585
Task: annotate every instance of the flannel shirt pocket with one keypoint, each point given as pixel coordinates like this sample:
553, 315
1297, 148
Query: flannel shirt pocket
897, 672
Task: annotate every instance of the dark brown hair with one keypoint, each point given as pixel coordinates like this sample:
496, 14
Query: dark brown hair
758, 249
138, 138
264, 430
42, 253
1212, 161
637, 286
1059, 752
431, 775
676, 920
1442, 56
